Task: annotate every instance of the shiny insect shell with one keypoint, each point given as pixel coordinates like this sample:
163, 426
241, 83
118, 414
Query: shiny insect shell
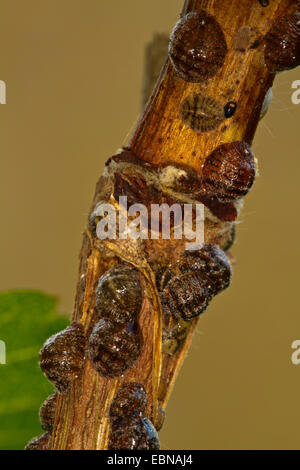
211, 261
186, 295
201, 113
129, 428
133, 434
200, 276
119, 295
197, 47
62, 356
282, 43
47, 412
130, 401
230, 109
113, 348
228, 172
39, 443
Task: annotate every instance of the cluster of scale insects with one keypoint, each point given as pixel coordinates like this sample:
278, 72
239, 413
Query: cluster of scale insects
198, 51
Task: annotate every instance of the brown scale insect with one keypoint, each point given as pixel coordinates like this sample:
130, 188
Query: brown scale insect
130, 402
186, 296
228, 172
201, 113
211, 261
200, 276
39, 443
114, 348
47, 412
133, 434
119, 295
282, 43
225, 211
62, 356
130, 429
197, 47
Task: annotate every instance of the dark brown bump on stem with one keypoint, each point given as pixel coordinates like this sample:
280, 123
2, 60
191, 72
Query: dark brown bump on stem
197, 47
160, 139
47, 412
39, 443
282, 42
62, 356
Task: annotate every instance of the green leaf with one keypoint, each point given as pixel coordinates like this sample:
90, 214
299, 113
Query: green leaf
27, 319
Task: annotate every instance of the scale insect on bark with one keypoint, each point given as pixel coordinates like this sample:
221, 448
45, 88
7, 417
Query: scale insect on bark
201, 113
47, 412
130, 429
197, 47
282, 43
62, 356
138, 301
198, 277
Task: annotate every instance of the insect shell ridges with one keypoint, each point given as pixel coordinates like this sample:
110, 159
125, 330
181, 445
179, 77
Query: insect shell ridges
47, 412
130, 429
201, 113
130, 401
119, 294
114, 347
197, 47
282, 43
62, 356
133, 434
39, 443
202, 275
228, 172
210, 261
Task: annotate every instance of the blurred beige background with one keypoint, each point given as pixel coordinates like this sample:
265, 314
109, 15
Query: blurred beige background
73, 70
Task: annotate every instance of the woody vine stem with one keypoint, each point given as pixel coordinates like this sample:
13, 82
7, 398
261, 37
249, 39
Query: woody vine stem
138, 302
